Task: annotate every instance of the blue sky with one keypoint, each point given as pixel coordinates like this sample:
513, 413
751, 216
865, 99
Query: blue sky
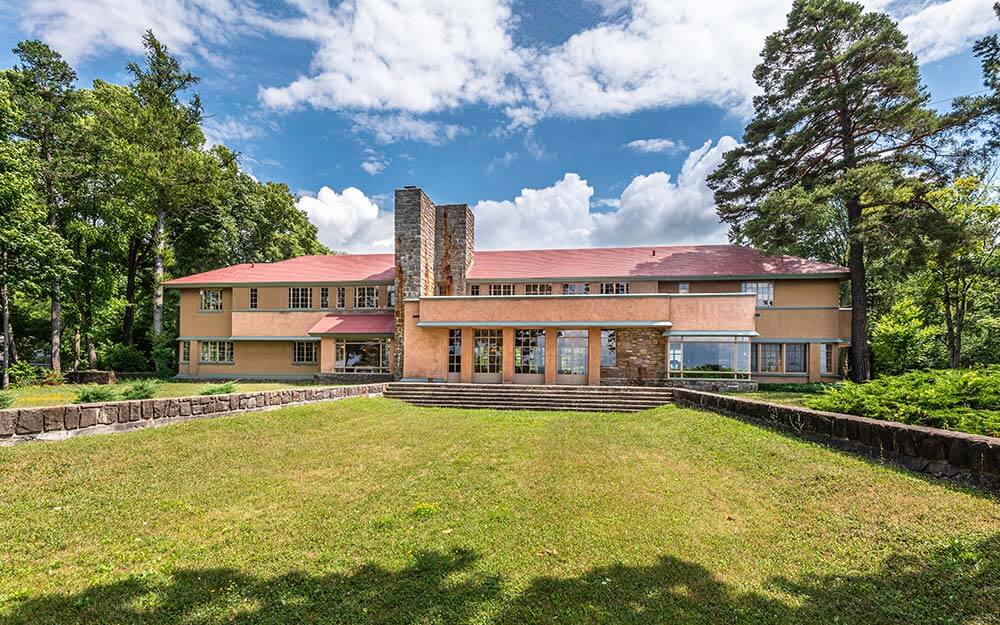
562, 123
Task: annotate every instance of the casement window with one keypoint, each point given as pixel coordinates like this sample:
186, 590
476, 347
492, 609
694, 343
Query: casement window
211, 300
571, 351
683, 287
487, 351
764, 291
455, 350
304, 352
185, 352
217, 352
614, 288
369, 356
501, 289
795, 358
366, 297
826, 351
576, 288
529, 351
252, 303
341, 297
324, 297
538, 289
300, 297
473, 289
609, 348
770, 358
390, 296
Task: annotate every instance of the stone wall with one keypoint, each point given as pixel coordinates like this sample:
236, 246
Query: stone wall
965, 457
641, 358
454, 242
415, 215
53, 422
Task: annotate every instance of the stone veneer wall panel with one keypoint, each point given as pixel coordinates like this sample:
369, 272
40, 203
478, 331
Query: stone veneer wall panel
641, 358
415, 215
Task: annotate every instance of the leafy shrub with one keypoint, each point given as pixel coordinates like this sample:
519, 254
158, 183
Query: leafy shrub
141, 389
6, 399
900, 340
24, 373
119, 357
164, 353
95, 394
795, 387
967, 400
51, 378
219, 389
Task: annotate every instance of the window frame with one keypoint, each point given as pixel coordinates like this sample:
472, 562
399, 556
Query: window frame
614, 288
764, 291
570, 288
684, 287
454, 350
501, 289
474, 290
185, 352
805, 358
740, 357
253, 298
765, 361
324, 297
299, 297
529, 351
390, 295
341, 297
826, 359
609, 348
305, 352
223, 352
384, 347
215, 304
487, 350
538, 288
367, 294
572, 352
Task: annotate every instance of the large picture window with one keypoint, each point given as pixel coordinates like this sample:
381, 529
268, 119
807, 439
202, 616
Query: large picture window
709, 357
368, 356
366, 297
217, 352
571, 349
609, 348
300, 297
764, 291
488, 351
795, 358
529, 351
211, 300
455, 350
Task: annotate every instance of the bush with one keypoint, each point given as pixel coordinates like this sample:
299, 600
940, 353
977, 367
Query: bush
6, 399
95, 395
966, 400
900, 340
795, 387
141, 389
164, 354
219, 389
51, 378
119, 357
24, 373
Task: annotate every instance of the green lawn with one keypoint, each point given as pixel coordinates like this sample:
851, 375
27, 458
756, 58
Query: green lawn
65, 393
373, 511
790, 398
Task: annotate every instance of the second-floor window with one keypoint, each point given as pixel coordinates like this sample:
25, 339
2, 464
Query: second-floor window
300, 297
501, 289
341, 297
474, 289
614, 288
538, 289
683, 287
390, 296
366, 297
211, 300
576, 288
324, 297
764, 291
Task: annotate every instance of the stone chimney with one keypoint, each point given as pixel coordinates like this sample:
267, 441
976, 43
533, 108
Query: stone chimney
454, 241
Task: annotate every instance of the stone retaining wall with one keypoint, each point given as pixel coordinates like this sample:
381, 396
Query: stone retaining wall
966, 457
53, 422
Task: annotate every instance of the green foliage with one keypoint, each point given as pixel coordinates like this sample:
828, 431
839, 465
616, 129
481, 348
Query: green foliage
51, 378
900, 340
119, 357
962, 400
164, 354
140, 389
95, 394
224, 388
6, 399
23, 373
795, 387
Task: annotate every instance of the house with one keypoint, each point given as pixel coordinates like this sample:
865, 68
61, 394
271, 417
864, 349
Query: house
437, 309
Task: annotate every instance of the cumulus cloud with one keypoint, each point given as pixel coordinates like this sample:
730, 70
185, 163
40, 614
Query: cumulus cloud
406, 127
940, 30
648, 146
653, 209
228, 129
349, 221
374, 163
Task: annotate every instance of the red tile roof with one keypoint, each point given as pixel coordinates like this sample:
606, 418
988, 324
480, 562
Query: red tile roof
355, 324
677, 261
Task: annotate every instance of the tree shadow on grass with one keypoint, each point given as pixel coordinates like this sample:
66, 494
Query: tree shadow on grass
956, 583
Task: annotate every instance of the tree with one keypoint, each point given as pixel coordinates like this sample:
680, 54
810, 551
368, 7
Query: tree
842, 107
901, 341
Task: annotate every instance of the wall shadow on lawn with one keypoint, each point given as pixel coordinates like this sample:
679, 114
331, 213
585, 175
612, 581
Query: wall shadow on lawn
953, 583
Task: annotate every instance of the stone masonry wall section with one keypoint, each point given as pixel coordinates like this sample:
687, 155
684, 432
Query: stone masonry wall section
55, 422
965, 457
415, 215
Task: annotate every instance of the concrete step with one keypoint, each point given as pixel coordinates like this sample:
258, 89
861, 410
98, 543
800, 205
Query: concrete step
531, 397
563, 396
540, 406
534, 401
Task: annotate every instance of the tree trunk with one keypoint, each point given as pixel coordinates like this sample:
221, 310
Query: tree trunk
158, 242
55, 337
76, 348
13, 341
5, 320
860, 370
132, 269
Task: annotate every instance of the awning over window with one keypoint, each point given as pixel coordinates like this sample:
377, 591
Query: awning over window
333, 325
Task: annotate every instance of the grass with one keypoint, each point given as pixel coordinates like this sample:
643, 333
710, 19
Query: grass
373, 511
29, 396
788, 394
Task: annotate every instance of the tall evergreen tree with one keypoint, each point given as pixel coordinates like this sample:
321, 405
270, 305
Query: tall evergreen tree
842, 109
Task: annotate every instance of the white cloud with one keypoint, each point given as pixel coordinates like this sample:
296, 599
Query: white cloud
648, 146
349, 221
228, 129
406, 127
374, 163
653, 209
940, 30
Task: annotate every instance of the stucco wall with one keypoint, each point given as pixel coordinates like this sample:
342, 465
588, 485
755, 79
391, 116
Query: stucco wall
259, 359
193, 322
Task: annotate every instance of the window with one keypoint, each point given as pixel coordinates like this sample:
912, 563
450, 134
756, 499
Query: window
683, 287
487, 351
571, 349
300, 297
826, 358
185, 355
370, 356
341, 297
529, 351
614, 288
676, 356
609, 348
576, 288
324, 297
211, 300
366, 297
770, 358
764, 291
474, 289
710, 357
455, 351
390, 296
501, 289
216, 352
538, 289
253, 297
304, 352
795, 358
